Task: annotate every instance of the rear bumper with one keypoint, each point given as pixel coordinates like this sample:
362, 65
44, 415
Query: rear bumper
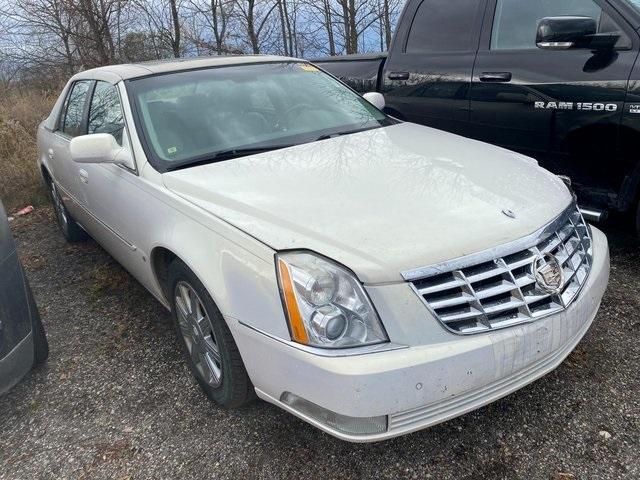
16, 364
422, 385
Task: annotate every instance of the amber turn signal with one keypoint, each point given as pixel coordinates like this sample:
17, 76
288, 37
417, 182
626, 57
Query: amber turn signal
298, 332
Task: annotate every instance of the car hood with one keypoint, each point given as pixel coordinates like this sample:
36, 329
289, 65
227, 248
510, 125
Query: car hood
381, 201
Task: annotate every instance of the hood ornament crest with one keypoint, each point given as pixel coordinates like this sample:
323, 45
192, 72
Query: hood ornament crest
548, 273
509, 213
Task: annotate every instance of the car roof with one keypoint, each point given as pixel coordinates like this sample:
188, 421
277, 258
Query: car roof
115, 73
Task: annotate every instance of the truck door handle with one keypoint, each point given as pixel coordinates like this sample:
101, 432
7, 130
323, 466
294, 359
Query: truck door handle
50, 153
495, 77
398, 75
84, 176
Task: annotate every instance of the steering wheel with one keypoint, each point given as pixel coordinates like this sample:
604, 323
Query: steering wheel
298, 108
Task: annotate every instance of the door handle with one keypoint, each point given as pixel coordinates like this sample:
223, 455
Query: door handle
50, 153
398, 75
84, 176
495, 77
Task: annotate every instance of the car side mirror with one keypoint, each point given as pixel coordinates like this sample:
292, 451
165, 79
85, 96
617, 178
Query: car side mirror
564, 33
376, 99
99, 148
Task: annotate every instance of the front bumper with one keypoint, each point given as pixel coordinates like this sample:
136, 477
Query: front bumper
428, 383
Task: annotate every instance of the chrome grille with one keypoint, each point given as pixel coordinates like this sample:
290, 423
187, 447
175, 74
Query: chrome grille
497, 289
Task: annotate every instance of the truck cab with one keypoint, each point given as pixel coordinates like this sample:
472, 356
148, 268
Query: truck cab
554, 79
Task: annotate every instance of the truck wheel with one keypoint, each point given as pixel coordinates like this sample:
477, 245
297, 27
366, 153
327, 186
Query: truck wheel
209, 347
69, 227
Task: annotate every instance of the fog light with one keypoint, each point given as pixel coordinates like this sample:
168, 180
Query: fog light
342, 423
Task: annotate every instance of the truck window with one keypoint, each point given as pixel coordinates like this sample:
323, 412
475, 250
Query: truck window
443, 26
515, 22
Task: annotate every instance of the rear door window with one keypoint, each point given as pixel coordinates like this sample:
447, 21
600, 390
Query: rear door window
73, 119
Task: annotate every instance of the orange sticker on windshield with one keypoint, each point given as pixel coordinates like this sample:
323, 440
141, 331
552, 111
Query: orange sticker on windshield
308, 68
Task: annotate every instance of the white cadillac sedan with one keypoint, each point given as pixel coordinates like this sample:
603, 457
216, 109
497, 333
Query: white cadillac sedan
369, 276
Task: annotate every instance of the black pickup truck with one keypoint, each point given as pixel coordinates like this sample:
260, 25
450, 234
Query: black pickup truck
554, 79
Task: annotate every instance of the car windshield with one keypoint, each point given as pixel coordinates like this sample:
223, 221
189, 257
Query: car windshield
207, 115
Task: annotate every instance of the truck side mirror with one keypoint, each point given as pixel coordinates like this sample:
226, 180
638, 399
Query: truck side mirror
376, 99
563, 33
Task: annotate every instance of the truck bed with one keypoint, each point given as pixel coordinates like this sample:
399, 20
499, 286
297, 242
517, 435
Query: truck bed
362, 72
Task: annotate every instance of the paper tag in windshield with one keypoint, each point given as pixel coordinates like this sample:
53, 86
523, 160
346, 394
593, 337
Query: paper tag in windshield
172, 150
308, 68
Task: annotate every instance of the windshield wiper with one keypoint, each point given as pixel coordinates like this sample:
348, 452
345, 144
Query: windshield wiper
226, 155
326, 136
243, 152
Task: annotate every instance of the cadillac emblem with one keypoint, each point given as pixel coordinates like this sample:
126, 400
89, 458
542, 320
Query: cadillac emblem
548, 273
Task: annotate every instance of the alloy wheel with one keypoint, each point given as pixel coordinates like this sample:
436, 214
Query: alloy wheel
197, 332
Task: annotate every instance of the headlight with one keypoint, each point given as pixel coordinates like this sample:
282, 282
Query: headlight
325, 304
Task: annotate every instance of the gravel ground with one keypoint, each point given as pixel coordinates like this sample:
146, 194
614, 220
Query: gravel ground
115, 399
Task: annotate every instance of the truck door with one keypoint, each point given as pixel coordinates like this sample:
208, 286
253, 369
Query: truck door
563, 107
427, 76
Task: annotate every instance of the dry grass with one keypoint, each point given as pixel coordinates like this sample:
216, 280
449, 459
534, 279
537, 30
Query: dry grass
107, 279
22, 110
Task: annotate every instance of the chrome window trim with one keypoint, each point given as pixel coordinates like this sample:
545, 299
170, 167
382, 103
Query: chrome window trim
119, 87
491, 253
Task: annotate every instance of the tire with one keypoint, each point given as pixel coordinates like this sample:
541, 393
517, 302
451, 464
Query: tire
40, 343
72, 232
208, 345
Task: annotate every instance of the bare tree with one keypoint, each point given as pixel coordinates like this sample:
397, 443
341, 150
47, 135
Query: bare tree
386, 23
163, 20
93, 29
175, 23
39, 31
212, 16
287, 10
357, 17
68, 35
328, 24
255, 16
283, 26
322, 14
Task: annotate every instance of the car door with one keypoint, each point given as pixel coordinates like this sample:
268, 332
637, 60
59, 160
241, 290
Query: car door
119, 208
66, 172
561, 106
428, 73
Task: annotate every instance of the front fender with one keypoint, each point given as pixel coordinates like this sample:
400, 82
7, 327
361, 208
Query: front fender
242, 282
